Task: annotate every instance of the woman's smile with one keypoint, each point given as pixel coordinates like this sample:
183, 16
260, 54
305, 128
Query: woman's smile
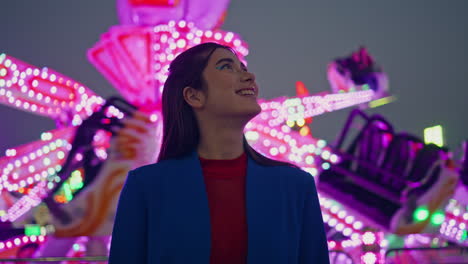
249, 92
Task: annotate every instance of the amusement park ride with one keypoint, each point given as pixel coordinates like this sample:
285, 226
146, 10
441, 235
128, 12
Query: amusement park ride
386, 196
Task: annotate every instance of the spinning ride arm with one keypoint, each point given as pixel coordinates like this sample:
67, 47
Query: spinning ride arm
82, 145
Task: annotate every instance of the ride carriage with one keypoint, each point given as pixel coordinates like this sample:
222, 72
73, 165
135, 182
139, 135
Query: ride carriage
391, 179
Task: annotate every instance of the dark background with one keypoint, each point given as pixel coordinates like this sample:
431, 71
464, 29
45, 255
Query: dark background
421, 44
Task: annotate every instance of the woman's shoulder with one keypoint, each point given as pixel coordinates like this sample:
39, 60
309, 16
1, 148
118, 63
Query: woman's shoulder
292, 172
289, 169
155, 169
160, 165
292, 180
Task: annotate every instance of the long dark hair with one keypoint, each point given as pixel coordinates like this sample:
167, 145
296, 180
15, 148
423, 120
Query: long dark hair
181, 134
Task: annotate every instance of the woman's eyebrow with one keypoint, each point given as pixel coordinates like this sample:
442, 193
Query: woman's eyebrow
224, 60
231, 61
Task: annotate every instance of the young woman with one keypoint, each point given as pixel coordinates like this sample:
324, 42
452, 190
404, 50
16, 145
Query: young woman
211, 198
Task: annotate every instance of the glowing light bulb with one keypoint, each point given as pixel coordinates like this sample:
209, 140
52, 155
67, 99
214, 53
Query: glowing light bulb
421, 214
438, 218
369, 258
368, 238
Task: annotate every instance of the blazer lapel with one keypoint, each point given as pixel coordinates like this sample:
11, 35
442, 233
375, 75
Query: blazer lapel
255, 200
194, 214
191, 216
264, 217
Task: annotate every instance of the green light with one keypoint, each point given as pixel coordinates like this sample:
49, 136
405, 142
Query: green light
464, 235
76, 247
32, 230
434, 135
67, 191
326, 166
421, 214
438, 218
381, 101
75, 181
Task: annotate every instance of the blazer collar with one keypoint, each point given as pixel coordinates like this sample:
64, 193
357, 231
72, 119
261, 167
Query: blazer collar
258, 200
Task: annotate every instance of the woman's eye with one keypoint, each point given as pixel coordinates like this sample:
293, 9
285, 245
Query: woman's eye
226, 66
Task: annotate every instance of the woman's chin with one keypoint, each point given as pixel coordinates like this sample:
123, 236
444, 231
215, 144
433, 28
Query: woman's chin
253, 111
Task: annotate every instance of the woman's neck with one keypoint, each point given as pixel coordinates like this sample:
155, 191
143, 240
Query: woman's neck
220, 141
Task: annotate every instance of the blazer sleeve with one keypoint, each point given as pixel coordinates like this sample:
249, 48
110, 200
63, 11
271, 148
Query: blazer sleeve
129, 239
313, 246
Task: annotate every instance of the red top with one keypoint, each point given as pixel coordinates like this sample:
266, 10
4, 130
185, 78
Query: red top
225, 186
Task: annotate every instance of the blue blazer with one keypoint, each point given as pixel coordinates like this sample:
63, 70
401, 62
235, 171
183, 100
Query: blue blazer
163, 216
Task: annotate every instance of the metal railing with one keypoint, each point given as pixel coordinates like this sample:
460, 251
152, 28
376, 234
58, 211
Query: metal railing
463, 250
397, 251
335, 253
56, 259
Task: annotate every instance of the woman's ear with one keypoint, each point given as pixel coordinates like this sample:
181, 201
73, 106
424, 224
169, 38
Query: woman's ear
195, 98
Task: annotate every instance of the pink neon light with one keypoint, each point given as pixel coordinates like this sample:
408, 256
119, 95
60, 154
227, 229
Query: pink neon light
205, 14
43, 91
136, 59
20, 241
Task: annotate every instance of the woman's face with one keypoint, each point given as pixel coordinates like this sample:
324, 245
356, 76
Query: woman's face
231, 89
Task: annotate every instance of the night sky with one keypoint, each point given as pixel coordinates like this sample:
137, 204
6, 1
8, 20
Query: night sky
422, 45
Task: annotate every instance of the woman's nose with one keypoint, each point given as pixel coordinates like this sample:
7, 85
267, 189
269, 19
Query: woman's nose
248, 77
